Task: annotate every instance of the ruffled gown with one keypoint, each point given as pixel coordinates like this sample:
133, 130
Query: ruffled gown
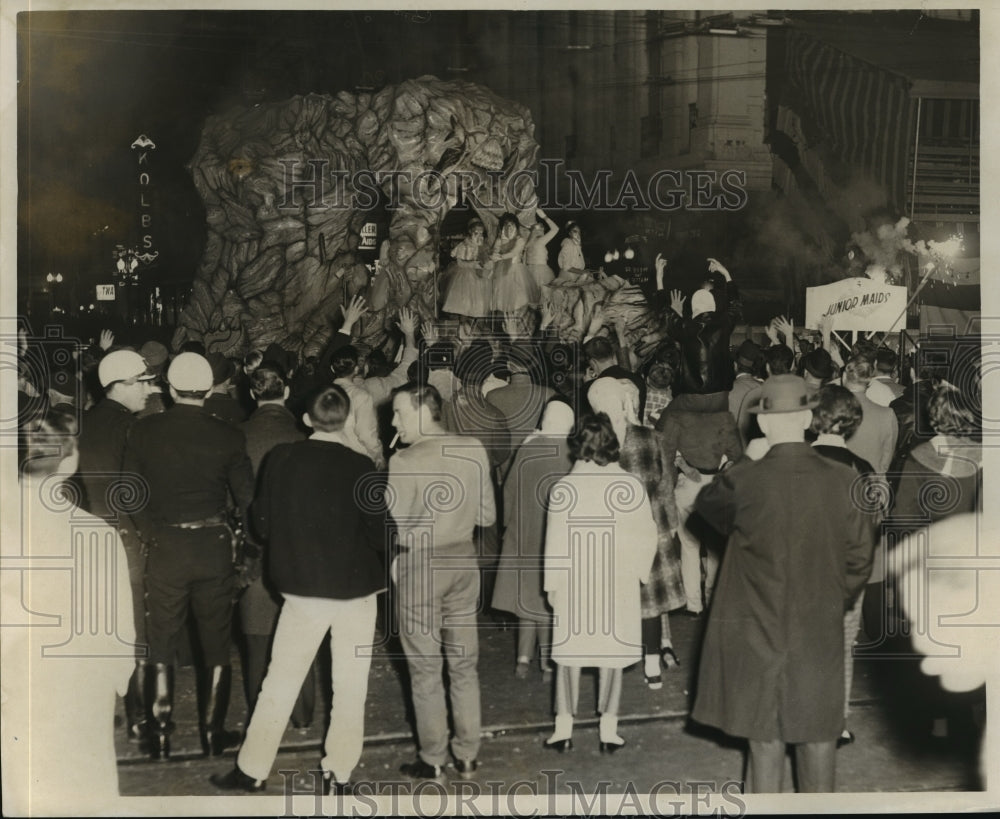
469, 287
513, 286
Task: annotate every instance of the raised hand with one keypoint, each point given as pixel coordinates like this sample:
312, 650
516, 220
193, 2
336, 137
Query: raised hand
677, 302
772, 332
784, 326
430, 333
407, 322
715, 266
106, 340
355, 310
511, 325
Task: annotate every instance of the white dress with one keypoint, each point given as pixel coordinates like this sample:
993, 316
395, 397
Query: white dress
600, 541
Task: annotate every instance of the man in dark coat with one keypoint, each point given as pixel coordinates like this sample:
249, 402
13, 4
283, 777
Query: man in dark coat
269, 425
799, 551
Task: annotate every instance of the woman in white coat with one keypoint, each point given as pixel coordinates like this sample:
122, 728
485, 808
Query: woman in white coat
68, 639
599, 546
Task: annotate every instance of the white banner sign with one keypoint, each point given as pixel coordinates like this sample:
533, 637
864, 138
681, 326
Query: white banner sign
857, 304
105, 292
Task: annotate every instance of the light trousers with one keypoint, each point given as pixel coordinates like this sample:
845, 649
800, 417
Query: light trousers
685, 492
302, 625
437, 621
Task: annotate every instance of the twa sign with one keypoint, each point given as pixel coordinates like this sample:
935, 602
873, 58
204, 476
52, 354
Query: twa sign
857, 304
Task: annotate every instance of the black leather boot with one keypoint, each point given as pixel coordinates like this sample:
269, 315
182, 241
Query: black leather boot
160, 700
135, 704
214, 737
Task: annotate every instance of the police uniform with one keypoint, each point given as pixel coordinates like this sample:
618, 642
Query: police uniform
193, 463
107, 493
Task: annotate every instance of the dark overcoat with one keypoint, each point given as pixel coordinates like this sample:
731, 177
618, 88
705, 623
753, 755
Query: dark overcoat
799, 551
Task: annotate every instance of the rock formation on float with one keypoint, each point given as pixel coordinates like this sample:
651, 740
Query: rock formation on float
279, 263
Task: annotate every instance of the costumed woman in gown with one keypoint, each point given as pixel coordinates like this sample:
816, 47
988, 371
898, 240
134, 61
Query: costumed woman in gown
536, 251
513, 287
574, 293
469, 287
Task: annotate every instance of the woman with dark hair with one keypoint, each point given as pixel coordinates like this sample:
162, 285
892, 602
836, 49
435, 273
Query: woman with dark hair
593, 572
469, 288
940, 478
513, 286
60, 683
835, 419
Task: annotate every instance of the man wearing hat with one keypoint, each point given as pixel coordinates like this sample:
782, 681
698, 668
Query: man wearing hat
799, 551
104, 428
191, 462
749, 361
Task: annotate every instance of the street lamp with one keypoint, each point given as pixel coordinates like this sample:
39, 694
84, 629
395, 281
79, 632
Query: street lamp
53, 279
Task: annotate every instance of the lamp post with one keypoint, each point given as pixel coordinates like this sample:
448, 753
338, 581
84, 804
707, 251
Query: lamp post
53, 279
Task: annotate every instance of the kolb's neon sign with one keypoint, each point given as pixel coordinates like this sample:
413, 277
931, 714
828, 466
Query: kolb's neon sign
144, 144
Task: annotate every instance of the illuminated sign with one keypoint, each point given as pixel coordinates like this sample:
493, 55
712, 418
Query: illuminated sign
144, 144
105, 292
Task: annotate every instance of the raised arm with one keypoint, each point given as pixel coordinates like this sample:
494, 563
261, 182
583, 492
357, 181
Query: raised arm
550, 234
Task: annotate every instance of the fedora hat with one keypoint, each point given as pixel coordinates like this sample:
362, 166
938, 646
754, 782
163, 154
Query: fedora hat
784, 393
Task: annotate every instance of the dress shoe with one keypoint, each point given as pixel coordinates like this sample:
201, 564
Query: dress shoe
522, 669
421, 770
611, 747
466, 767
670, 658
559, 745
215, 743
845, 738
236, 780
655, 682
332, 787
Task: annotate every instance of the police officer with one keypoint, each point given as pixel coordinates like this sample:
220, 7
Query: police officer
127, 384
193, 464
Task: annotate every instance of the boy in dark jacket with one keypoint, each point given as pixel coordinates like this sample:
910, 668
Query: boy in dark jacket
327, 558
